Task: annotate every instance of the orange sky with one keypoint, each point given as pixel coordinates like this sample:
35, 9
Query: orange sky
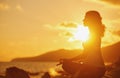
32, 27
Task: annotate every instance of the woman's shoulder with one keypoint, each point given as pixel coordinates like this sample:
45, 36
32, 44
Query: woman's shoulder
92, 42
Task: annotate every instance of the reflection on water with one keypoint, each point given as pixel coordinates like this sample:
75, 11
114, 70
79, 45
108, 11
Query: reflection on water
42, 67
31, 67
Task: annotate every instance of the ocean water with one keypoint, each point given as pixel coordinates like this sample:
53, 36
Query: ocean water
30, 66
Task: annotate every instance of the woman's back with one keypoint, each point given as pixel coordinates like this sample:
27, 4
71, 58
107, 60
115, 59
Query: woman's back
92, 47
93, 50
93, 64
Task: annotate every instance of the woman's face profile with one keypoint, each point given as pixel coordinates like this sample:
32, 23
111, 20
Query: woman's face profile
86, 21
91, 17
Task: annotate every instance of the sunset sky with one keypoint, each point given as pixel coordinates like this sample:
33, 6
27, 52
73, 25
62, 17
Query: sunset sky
33, 27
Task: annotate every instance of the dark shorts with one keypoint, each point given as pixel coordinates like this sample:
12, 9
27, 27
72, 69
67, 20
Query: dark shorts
85, 71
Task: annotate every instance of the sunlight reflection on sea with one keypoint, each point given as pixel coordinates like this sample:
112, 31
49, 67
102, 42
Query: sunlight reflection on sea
29, 66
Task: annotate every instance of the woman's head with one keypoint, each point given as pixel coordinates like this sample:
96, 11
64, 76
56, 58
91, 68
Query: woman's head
91, 18
93, 21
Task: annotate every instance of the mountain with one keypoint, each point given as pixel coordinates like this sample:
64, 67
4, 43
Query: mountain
52, 55
110, 54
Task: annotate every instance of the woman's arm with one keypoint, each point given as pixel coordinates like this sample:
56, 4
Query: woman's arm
79, 57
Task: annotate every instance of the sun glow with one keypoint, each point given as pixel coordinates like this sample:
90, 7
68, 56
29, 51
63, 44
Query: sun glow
81, 33
53, 72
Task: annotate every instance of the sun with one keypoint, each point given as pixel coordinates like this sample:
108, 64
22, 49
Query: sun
80, 33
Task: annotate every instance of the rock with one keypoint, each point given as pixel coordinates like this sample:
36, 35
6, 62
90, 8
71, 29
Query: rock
14, 72
114, 70
46, 75
2, 76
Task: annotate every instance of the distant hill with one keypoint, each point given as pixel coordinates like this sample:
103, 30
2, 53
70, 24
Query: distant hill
110, 54
52, 55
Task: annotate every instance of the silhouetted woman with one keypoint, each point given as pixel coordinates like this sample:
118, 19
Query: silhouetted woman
93, 65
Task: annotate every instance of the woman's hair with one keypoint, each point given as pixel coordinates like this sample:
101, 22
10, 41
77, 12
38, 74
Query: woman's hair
96, 22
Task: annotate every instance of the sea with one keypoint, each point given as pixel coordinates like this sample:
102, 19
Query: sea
32, 67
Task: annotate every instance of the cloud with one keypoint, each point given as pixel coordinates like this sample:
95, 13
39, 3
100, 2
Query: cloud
115, 2
19, 8
4, 6
110, 37
62, 26
116, 32
63, 29
68, 34
69, 24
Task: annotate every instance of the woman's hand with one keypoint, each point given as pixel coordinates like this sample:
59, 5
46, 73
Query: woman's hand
61, 61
